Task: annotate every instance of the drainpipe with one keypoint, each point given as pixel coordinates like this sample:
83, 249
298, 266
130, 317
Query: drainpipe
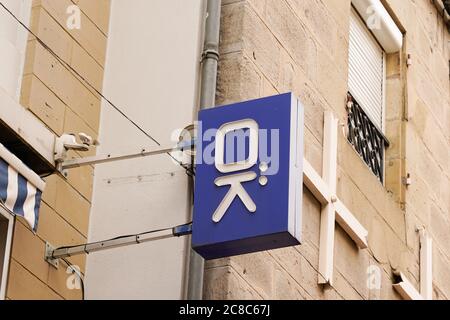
210, 59
210, 56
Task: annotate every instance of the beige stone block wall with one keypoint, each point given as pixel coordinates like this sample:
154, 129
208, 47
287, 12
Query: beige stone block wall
270, 47
64, 103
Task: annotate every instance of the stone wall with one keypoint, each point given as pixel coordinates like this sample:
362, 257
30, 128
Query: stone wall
64, 103
270, 47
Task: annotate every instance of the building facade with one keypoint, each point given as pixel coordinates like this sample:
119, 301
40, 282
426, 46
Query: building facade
51, 99
384, 76
270, 47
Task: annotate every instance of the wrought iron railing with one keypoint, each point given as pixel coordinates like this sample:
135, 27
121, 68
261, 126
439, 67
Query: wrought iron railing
366, 138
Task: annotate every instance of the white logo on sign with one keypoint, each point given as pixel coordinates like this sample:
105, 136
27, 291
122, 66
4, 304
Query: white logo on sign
235, 181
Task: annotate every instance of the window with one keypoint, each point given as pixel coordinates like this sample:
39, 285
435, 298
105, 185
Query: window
20, 131
6, 230
366, 95
366, 70
13, 41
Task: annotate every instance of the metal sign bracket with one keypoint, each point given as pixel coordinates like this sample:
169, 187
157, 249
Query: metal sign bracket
69, 142
52, 254
49, 249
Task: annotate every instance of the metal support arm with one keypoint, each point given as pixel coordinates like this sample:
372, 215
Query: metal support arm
75, 163
52, 255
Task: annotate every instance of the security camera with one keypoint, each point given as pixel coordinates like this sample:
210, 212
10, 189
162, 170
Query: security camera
85, 139
67, 142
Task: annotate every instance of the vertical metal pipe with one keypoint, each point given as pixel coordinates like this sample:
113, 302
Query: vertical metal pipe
210, 59
210, 56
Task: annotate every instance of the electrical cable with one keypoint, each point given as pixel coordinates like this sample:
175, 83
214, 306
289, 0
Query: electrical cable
79, 275
47, 175
69, 68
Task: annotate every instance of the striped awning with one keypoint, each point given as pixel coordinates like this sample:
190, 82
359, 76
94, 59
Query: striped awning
20, 188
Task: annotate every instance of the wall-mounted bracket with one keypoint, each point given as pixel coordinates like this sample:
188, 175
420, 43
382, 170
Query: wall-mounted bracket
49, 249
52, 254
65, 143
88, 161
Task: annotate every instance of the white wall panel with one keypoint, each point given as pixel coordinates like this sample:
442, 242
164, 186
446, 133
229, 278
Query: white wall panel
152, 72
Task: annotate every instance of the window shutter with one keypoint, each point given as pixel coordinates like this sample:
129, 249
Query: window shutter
13, 40
366, 70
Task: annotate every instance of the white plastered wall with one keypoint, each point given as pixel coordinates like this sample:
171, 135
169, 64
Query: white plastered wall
151, 73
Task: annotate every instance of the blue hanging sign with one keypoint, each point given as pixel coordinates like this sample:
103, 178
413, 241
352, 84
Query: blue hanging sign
249, 177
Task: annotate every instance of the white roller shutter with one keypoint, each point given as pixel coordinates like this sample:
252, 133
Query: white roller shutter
13, 41
366, 70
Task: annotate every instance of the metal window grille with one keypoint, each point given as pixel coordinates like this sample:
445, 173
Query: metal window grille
365, 137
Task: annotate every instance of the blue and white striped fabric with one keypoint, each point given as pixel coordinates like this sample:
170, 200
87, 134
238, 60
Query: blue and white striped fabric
19, 195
